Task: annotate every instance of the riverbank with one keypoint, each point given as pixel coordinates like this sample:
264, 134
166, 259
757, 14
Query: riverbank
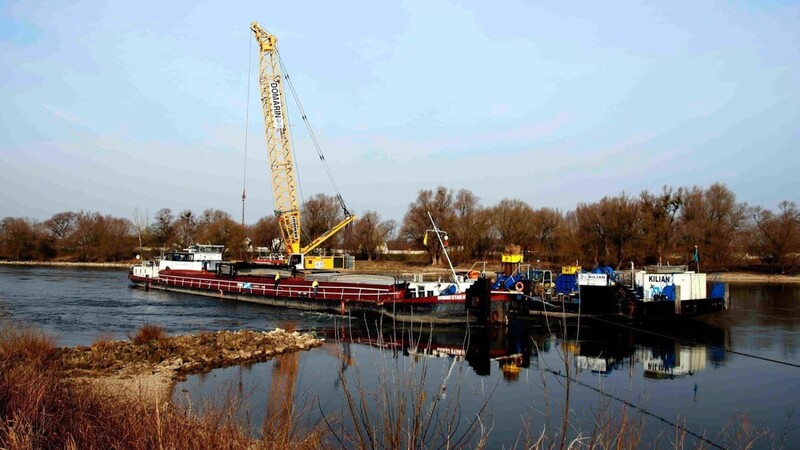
745, 277
148, 365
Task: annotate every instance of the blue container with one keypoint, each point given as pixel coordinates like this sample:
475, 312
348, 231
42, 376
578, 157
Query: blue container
566, 283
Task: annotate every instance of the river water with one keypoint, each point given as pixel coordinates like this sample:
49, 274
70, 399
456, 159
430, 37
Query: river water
723, 382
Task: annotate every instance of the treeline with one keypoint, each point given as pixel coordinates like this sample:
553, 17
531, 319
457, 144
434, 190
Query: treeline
650, 228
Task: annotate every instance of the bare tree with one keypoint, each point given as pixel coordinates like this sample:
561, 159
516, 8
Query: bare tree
470, 232
370, 233
659, 214
265, 233
140, 221
319, 214
609, 229
543, 231
61, 224
17, 238
510, 218
87, 235
416, 222
621, 215
186, 228
777, 237
218, 227
570, 241
711, 219
163, 227
114, 238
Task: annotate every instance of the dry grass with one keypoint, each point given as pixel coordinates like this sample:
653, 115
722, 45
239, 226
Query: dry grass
25, 345
41, 408
148, 333
102, 347
619, 429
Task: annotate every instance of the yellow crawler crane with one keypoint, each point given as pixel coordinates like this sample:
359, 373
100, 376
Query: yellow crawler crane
284, 187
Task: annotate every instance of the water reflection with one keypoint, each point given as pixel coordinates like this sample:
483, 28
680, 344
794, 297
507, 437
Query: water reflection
524, 361
661, 352
676, 363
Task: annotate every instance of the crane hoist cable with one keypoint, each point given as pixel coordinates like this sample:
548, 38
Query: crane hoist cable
288, 81
312, 134
246, 123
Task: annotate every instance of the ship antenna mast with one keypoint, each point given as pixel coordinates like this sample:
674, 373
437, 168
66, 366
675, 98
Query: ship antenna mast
439, 234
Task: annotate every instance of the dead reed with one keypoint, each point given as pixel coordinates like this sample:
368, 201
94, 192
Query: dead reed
41, 408
148, 333
399, 410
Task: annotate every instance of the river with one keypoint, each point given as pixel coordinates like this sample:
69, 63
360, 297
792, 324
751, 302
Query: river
728, 380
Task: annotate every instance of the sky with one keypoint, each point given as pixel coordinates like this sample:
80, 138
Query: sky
125, 108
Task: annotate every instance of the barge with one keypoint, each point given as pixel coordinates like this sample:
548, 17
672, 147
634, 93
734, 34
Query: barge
200, 270
653, 293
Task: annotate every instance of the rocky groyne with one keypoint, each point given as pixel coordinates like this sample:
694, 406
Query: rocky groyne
150, 368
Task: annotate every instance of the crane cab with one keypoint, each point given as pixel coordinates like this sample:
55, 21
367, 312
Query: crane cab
302, 261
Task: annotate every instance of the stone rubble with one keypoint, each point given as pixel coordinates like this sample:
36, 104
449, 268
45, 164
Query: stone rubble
179, 356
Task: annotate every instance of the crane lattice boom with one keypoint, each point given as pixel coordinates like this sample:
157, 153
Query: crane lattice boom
284, 188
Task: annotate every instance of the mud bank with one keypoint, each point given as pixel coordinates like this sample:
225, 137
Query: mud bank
149, 370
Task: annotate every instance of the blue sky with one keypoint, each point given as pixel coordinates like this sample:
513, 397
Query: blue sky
116, 107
